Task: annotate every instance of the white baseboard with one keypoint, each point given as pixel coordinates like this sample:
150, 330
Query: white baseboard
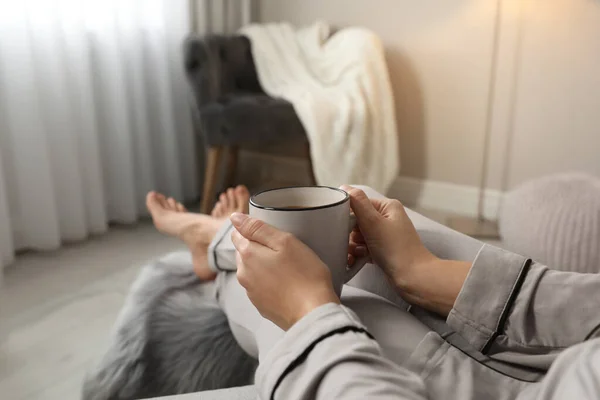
443, 196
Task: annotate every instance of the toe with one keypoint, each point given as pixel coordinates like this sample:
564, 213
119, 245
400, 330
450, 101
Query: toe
224, 200
150, 199
243, 196
154, 203
213, 213
162, 200
242, 190
218, 210
232, 206
181, 207
172, 204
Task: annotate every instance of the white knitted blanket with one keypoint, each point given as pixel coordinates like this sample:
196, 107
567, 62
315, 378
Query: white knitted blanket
340, 89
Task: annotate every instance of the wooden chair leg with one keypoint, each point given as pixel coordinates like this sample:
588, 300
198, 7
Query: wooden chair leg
232, 159
311, 173
211, 175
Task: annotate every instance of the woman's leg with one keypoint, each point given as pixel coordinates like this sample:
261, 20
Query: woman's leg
195, 230
397, 331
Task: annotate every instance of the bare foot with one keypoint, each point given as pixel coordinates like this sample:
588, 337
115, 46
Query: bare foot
195, 230
230, 201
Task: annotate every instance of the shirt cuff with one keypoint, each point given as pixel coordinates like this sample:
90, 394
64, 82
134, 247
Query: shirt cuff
221, 252
295, 346
487, 296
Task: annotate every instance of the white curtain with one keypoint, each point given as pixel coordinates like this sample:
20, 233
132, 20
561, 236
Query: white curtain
222, 16
94, 112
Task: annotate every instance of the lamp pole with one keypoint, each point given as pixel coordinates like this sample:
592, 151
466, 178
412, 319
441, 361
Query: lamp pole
480, 226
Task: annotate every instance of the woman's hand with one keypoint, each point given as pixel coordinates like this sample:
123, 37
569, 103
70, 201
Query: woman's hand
385, 232
388, 235
284, 279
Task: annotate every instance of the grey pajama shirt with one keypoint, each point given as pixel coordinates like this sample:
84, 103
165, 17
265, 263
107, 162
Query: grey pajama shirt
518, 330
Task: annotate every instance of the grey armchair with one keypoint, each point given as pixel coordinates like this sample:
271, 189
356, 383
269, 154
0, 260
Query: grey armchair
233, 111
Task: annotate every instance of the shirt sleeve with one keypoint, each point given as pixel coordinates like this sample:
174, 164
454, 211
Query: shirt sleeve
221, 251
329, 354
574, 375
509, 303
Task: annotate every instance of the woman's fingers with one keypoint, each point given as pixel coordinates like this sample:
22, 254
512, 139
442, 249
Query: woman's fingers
360, 251
351, 260
241, 244
365, 211
357, 249
256, 230
250, 257
357, 237
246, 248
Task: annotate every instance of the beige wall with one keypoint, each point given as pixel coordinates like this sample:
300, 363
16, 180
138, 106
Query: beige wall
439, 55
547, 106
556, 102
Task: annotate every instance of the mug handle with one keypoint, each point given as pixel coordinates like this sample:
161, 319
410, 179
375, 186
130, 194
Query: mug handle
358, 263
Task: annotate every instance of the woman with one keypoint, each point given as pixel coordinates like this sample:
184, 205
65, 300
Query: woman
485, 324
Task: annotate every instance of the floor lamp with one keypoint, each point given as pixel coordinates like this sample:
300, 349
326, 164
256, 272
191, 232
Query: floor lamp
479, 226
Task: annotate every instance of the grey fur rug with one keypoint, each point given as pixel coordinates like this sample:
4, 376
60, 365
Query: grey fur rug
170, 338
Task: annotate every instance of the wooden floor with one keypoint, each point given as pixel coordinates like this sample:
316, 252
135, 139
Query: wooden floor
58, 309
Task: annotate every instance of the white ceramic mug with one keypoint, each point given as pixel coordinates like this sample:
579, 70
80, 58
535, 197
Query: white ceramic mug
317, 215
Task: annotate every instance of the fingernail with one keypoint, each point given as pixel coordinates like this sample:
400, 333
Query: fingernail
238, 218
